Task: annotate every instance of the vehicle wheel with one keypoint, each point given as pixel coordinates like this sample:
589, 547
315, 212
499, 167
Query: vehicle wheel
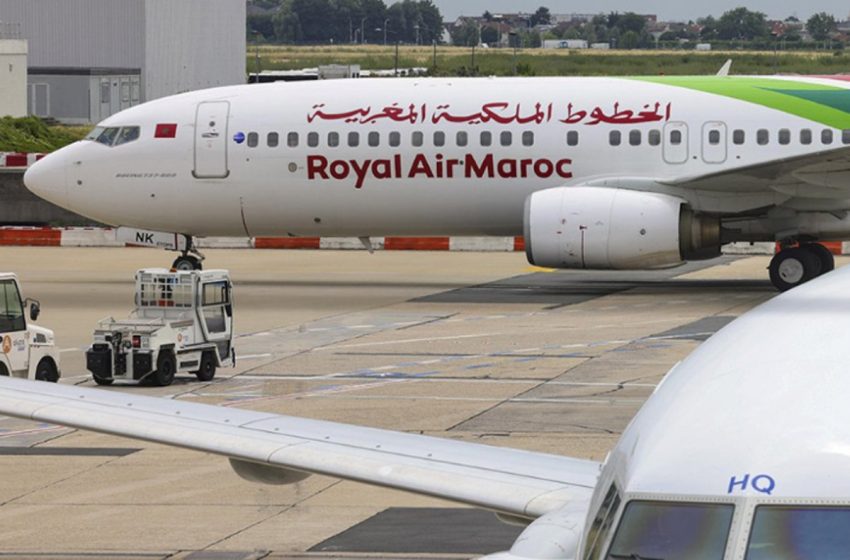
4, 371
165, 369
207, 370
792, 267
102, 380
46, 371
186, 263
827, 259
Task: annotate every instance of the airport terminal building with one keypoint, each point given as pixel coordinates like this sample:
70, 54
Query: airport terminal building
89, 59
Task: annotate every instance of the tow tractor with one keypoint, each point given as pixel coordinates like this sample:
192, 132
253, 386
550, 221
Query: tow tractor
182, 323
29, 351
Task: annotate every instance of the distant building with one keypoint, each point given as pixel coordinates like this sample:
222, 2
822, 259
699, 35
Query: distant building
89, 59
13, 73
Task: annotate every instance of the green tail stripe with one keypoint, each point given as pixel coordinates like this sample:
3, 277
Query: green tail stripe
828, 105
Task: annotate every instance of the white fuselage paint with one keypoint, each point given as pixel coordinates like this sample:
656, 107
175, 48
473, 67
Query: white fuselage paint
406, 189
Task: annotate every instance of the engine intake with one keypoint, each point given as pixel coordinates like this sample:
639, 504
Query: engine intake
605, 228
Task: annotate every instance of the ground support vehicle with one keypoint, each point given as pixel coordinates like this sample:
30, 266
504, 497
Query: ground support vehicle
28, 351
183, 323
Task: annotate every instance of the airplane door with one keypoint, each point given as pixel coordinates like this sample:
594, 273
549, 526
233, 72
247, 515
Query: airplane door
676, 142
211, 140
714, 142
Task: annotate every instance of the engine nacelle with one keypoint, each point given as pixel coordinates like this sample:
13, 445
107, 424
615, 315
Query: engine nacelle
605, 228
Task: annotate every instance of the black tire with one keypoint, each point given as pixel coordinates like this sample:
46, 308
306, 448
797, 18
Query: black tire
4, 371
827, 259
792, 267
186, 263
46, 371
206, 371
102, 380
166, 367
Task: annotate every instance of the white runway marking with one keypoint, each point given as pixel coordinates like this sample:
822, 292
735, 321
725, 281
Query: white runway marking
406, 340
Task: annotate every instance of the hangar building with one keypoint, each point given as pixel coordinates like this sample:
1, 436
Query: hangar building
89, 59
13, 72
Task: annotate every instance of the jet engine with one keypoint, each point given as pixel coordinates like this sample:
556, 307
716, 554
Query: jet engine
606, 228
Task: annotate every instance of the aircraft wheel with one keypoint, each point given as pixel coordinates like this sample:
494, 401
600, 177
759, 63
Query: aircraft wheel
827, 259
166, 367
792, 267
207, 369
46, 371
102, 380
186, 263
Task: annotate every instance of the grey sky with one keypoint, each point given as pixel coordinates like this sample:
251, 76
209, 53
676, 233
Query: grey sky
677, 10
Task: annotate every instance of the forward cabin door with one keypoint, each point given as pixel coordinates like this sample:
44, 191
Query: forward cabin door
676, 142
211, 140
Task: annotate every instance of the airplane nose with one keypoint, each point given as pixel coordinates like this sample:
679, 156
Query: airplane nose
46, 178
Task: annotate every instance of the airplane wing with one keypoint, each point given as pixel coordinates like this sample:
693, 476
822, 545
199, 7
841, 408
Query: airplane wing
514, 482
828, 169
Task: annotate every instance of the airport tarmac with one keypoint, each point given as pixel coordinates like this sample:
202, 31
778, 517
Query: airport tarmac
470, 346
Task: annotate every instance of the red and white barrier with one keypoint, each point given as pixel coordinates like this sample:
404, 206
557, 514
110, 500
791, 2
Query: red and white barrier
108, 237
18, 160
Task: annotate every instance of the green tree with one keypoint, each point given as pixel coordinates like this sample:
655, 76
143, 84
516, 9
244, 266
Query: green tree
489, 35
287, 25
541, 16
631, 21
465, 35
742, 23
629, 40
820, 26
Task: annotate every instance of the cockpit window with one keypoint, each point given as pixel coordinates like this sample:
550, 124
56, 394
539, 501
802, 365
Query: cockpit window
127, 134
108, 135
798, 533
673, 530
95, 133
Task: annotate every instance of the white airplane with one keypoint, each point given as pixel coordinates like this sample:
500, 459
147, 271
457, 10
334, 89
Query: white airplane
742, 451
624, 173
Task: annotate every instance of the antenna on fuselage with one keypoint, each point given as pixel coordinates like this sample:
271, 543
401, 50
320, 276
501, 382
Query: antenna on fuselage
724, 70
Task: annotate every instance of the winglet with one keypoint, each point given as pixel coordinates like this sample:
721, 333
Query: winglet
724, 70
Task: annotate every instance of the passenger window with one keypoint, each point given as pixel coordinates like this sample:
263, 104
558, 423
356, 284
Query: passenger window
806, 136
528, 138
439, 138
353, 139
784, 136
762, 137
333, 139
506, 138
826, 136
675, 137
273, 139
572, 138
845, 136
11, 309
374, 139
654, 137
615, 138
601, 524
714, 137
634, 138
417, 139
395, 139
253, 139
486, 138
461, 139
127, 134
313, 139
739, 137
292, 139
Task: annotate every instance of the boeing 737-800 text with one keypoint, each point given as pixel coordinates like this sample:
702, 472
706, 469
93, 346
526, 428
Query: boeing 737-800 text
624, 173
742, 451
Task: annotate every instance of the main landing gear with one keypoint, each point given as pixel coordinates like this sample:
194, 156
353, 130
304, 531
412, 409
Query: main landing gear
793, 266
190, 259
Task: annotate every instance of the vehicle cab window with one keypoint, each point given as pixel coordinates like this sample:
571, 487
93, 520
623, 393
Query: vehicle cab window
216, 305
673, 530
792, 532
11, 308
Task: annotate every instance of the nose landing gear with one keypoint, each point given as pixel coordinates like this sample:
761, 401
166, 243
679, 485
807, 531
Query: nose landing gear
190, 259
793, 266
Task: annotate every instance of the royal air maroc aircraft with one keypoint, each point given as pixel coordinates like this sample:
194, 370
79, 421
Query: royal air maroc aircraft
624, 173
742, 451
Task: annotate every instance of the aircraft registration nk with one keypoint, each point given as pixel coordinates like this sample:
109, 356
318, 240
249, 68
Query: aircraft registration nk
320, 167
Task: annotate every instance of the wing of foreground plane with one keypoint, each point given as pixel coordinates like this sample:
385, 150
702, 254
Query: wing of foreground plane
829, 169
280, 449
